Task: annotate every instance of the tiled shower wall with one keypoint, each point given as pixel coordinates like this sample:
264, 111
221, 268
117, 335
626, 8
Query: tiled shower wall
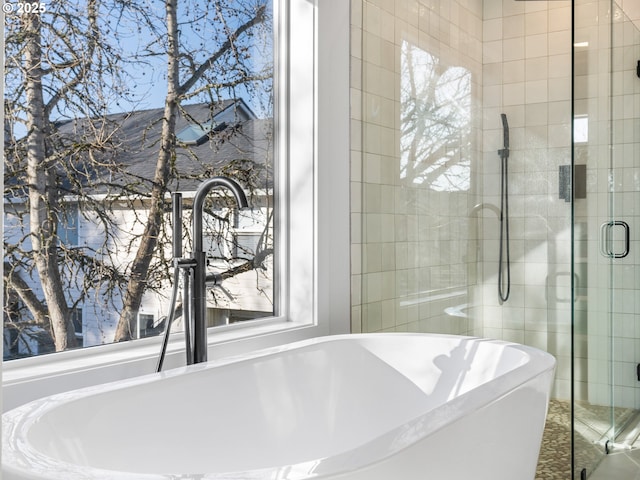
527, 76
425, 250
412, 257
425, 245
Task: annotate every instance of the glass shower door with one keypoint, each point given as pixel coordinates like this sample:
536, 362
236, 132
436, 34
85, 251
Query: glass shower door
620, 232
606, 151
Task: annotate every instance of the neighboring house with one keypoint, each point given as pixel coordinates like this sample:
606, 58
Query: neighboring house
226, 139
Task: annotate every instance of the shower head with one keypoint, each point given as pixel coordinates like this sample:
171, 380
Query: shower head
504, 151
505, 130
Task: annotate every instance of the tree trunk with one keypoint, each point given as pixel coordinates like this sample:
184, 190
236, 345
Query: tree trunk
140, 267
41, 195
138, 281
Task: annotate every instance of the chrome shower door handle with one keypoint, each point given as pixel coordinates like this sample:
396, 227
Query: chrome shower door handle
607, 238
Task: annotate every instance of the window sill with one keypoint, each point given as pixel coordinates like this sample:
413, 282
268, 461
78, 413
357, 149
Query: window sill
27, 379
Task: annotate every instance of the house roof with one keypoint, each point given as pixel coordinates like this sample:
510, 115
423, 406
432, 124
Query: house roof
236, 137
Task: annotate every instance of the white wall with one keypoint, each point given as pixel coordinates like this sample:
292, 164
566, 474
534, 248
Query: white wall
100, 315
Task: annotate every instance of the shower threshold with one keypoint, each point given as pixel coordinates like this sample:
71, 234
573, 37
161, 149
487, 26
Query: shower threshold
625, 437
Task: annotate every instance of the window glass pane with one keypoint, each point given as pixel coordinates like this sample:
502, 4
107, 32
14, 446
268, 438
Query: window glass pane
105, 118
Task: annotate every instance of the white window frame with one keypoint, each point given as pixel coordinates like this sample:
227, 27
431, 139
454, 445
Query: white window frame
313, 226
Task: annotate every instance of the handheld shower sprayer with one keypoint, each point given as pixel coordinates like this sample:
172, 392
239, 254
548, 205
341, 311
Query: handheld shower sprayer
504, 287
505, 135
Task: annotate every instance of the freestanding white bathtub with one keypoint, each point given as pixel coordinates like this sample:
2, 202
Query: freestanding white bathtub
365, 407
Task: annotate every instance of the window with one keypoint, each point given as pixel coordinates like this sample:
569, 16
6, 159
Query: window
68, 226
196, 134
147, 325
435, 121
581, 129
76, 319
116, 152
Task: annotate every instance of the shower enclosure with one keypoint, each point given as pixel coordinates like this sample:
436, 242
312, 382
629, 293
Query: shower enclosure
432, 83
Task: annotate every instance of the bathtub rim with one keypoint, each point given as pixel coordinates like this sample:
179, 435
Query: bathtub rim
538, 364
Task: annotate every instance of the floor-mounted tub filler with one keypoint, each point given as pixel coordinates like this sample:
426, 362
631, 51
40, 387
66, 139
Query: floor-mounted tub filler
365, 407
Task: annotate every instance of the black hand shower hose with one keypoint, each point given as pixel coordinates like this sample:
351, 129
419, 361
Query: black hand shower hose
504, 288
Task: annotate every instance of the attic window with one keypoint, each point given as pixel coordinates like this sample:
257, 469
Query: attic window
197, 134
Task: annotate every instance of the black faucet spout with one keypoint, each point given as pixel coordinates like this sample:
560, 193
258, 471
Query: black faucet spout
199, 270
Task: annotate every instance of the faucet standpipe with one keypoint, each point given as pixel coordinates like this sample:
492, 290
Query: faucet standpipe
195, 271
199, 299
